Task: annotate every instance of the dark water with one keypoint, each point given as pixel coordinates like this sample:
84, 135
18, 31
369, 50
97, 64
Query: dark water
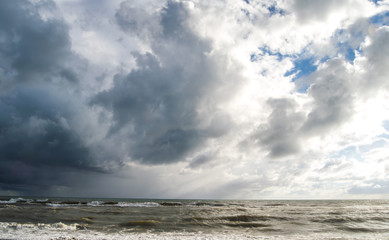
65, 218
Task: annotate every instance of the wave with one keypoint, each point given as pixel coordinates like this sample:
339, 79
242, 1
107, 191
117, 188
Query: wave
238, 220
276, 205
21, 200
130, 204
357, 229
340, 220
95, 203
77, 218
345, 220
57, 205
61, 231
171, 204
66, 204
51, 226
208, 204
16, 200
55, 202
248, 225
140, 223
103, 204
138, 204
252, 218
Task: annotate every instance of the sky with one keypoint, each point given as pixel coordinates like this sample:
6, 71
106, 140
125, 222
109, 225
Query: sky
223, 99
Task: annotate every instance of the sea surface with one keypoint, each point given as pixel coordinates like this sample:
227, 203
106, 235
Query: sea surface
77, 218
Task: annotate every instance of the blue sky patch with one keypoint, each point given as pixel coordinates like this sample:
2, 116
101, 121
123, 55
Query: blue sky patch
347, 51
344, 47
350, 54
368, 147
349, 152
253, 57
380, 19
375, 1
357, 151
302, 67
266, 51
274, 10
386, 136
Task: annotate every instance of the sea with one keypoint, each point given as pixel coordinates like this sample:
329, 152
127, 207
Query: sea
83, 218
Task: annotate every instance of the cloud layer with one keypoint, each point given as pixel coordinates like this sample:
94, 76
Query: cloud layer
229, 99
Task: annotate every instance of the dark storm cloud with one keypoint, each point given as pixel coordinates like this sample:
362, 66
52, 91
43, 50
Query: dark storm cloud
169, 101
163, 119
32, 49
35, 130
38, 71
37, 144
200, 160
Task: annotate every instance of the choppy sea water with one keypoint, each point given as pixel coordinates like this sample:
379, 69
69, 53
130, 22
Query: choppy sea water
73, 218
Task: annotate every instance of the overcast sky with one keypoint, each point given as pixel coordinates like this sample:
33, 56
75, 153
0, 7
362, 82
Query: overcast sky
251, 99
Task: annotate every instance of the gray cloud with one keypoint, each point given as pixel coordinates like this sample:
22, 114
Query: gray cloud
377, 54
333, 90
200, 160
40, 144
73, 127
333, 98
138, 20
33, 49
162, 111
332, 105
281, 134
308, 10
169, 102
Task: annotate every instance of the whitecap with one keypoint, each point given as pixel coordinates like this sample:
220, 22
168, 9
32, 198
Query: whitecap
16, 200
95, 203
56, 205
138, 204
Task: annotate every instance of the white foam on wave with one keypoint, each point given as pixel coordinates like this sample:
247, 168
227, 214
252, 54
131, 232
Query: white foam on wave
138, 204
42, 200
6, 202
95, 203
15, 200
14, 227
104, 204
71, 231
57, 205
